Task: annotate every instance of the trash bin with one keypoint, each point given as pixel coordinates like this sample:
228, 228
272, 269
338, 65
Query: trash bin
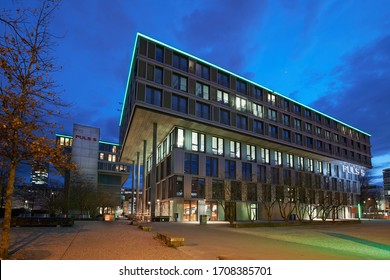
176, 216
203, 219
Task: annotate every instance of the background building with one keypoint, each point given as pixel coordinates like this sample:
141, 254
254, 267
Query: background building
214, 143
97, 163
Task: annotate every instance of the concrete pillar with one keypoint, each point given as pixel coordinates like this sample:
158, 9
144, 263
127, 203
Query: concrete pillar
153, 174
137, 184
144, 178
132, 187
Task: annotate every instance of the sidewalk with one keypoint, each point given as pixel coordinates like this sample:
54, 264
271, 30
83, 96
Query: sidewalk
99, 240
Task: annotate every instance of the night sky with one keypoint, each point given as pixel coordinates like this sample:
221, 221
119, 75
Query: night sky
333, 56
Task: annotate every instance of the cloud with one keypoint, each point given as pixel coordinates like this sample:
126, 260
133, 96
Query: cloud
360, 95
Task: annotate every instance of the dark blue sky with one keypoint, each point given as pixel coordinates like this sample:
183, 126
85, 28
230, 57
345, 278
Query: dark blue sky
331, 55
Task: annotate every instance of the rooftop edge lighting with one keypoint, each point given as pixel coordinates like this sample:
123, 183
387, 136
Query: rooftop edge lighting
139, 35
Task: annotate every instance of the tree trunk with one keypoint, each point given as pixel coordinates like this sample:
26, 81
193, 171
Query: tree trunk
8, 211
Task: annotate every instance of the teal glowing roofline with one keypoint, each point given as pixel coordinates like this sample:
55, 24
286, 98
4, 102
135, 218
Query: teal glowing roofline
63, 135
109, 143
226, 71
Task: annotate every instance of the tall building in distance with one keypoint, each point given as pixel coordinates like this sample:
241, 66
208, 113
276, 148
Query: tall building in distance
386, 185
96, 160
217, 144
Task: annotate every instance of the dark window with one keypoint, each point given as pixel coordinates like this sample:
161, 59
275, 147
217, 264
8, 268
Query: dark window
273, 131
309, 142
153, 96
297, 109
258, 127
158, 75
202, 110
211, 166
298, 139
235, 190
257, 93
230, 169
178, 187
286, 119
272, 115
203, 71
218, 188
251, 192
225, 117
247, 171
179, 103
180, 62
274, 175
191, 164
261, 174
223, 79
286, 104
198, 188
286, 135
159, 54
308, 113
241, 86
242, 122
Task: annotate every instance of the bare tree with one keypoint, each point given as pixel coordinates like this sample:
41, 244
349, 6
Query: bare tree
268, 200
28, 96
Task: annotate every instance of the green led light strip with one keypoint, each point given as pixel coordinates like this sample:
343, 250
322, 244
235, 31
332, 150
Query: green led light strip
226, 71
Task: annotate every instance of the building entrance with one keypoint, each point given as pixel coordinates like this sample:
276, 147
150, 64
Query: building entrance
190, 211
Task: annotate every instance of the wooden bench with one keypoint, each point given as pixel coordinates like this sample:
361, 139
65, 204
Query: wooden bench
171, 241
145, 227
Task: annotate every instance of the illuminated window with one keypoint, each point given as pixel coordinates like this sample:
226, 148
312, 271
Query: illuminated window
217, 146
101, 156
202, 90
290, 160
179, 82
257, 110
251, 152
198, 142
300, 163
271, 98
240, 104
180, 138
265, 155
277, 158
235, 149
223, 97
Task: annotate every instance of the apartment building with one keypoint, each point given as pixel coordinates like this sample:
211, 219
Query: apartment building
217, 144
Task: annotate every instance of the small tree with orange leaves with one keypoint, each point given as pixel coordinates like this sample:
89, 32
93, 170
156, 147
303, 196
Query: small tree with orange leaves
28, 97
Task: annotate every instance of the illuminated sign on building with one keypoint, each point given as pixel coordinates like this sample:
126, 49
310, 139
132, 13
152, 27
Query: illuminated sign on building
354, 170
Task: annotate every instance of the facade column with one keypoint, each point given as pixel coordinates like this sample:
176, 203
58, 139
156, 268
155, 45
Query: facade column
153, 174
132, 188
144, 178
137, 184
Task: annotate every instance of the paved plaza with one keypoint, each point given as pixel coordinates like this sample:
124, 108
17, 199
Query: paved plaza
99, 240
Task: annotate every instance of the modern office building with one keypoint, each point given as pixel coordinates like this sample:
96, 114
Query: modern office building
96, 160
217, 144
386, 185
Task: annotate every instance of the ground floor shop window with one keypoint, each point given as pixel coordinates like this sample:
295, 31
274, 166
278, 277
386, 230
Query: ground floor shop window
190, 211
212, 210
